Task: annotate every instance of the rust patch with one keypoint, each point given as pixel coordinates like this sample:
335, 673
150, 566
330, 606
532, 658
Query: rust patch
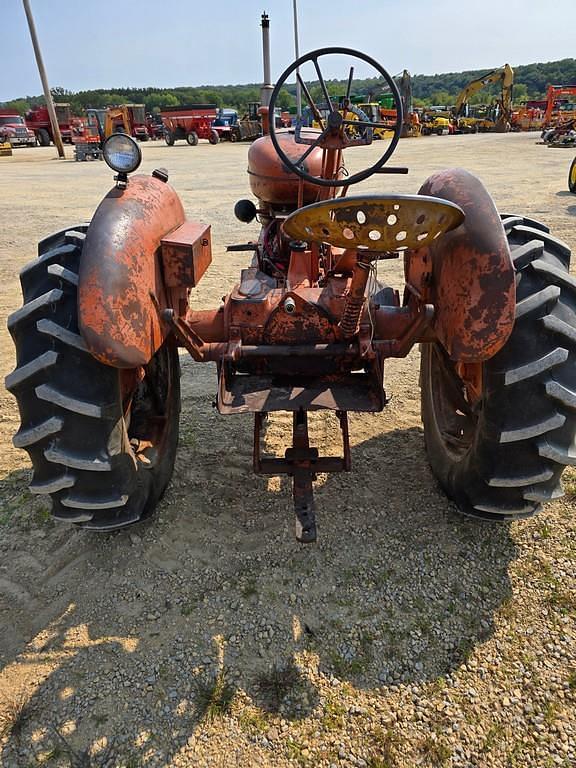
120, 267
473, 288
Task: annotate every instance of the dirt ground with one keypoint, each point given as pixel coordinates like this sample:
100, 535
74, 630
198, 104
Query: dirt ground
406, 636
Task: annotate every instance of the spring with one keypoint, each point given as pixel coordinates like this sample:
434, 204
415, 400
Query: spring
355, 300
351, 315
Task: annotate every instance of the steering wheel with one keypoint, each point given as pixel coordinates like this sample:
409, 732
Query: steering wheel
333, 129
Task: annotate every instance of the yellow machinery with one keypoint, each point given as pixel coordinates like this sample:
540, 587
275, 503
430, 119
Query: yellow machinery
503, 106
5, 149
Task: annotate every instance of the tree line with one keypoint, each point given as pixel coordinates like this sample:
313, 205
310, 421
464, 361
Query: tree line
530, 82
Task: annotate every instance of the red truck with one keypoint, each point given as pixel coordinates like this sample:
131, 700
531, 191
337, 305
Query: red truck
190, 122
38, 120
13, 129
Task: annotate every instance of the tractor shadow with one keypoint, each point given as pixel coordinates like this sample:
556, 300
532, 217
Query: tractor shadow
212, 610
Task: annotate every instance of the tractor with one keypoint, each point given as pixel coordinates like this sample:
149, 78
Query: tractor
487, 296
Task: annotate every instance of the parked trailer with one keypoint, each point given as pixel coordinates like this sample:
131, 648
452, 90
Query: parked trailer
190, 122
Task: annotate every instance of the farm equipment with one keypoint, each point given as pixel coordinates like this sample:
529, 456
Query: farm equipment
572, 177
38, 120
309, 327
190, 122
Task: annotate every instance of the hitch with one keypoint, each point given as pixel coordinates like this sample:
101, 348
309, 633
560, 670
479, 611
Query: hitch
302, 463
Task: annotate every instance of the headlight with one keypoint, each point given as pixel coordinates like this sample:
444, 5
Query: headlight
122, 153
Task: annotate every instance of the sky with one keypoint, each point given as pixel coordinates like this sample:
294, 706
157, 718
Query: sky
169, 43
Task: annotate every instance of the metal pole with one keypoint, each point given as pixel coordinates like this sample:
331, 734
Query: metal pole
267, 87
42, 71
296, 51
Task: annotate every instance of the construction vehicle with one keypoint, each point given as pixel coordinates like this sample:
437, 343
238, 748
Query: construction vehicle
502, 107
191, 122
528, 116
101, 124
434, 123
308, 327
38, 120
13, 130
411, 125
560, 105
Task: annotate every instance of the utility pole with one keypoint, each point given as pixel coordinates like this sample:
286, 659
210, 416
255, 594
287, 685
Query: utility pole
42, 71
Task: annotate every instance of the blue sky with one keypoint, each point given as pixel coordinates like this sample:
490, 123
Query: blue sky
107, 43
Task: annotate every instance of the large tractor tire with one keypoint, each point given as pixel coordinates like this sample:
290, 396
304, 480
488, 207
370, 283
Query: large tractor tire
102, 441
43, 137
503, 455
572, 177
213, 138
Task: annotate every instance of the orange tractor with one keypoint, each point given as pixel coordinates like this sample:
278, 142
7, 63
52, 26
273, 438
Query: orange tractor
488, 297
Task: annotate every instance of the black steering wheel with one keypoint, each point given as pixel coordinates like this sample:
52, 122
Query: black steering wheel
334, 129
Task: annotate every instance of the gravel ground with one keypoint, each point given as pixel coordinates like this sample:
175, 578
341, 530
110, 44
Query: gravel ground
407, 636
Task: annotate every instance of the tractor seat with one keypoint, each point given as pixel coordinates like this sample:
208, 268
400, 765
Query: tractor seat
381, 223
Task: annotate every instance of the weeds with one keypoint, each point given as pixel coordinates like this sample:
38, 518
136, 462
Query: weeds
214, 695
278, 682
384, 753
14, 714
435, 751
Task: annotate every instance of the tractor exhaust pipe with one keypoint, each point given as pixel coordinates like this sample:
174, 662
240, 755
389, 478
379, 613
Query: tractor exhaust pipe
267, 87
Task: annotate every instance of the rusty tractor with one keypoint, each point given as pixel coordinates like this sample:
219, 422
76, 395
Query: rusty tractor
488, 297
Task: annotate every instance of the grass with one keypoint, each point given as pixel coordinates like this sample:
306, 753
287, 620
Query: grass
249, 589
14, 714
277, 682
253, 721
493, 737
333, 718
384, 753
435, 751
214, 695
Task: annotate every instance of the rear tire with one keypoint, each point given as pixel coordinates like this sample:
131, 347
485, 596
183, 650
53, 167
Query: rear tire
102, 441
572, 177
504, 456
169, 138
214, 138
192, 138
43, 137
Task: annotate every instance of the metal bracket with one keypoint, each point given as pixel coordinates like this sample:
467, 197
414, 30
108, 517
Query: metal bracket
302, 463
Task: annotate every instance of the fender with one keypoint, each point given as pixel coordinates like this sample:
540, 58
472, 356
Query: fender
120, 266
473, 287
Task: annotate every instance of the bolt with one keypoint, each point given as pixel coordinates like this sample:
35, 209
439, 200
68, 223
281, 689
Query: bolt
289, 305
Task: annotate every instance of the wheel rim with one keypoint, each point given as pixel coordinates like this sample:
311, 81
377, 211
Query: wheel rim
147, 398
454, 414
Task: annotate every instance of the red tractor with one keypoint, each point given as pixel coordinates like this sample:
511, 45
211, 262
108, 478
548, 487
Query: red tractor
487, 295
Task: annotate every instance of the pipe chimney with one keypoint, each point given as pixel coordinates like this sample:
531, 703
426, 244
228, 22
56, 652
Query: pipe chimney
267, 86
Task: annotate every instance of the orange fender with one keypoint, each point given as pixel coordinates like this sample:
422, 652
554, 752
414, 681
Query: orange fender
120, 266
473, 288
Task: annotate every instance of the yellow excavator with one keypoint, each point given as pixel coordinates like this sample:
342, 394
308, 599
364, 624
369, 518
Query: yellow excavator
501, 109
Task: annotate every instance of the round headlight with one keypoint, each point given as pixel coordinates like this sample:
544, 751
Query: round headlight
122, 153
